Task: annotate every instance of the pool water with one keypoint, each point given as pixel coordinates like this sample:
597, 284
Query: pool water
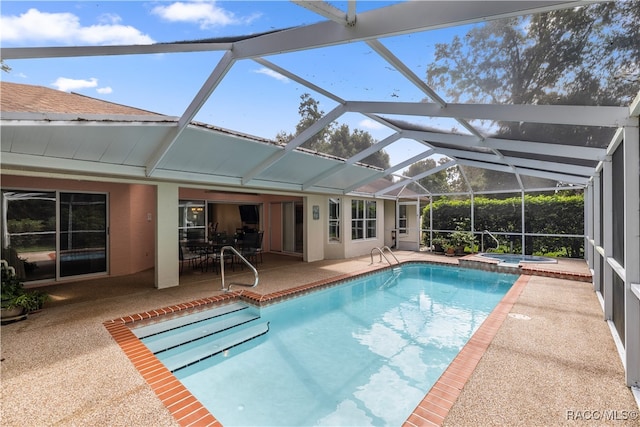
359, 354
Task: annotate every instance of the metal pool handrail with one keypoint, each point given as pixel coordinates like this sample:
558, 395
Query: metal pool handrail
492, 236
243, 259
381, 250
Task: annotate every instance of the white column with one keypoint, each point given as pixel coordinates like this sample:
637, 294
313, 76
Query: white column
167, 256
632, 253
588, 225
523, 222
607, 224
597, 227
315, 226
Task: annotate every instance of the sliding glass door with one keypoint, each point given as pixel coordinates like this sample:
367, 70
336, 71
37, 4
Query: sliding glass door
48, 234
83, 234
292, 227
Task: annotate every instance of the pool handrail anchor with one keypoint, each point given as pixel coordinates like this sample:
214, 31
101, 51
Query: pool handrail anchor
490, 235
382, 255
243, 259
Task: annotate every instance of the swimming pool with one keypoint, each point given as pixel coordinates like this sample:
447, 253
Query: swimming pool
363, 353
517, 258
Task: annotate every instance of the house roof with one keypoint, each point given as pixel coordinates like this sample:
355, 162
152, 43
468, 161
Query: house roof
22, 98
43, 129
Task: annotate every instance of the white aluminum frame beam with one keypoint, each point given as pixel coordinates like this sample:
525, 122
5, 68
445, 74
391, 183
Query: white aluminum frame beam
294, 143
352, 160
577, 115
381, 50
330, 12
396, 19
520, 162
387, 21
214, 79
571, 179
548, 149
416, 178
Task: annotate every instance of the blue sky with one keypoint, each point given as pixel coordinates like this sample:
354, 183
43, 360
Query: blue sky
251, 99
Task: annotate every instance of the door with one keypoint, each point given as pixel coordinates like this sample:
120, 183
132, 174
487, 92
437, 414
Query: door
292, 227
47, 235
83, 234
29, 233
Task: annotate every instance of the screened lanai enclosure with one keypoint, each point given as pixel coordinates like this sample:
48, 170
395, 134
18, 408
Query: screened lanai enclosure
515, 121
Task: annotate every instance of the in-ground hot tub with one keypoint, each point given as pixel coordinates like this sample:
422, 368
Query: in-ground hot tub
518, 258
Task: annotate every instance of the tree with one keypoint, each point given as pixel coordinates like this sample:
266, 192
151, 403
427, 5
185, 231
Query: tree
336, 140
439, 182
587, 55
543, 57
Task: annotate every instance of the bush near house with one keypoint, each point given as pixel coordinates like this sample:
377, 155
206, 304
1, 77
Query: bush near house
560, 213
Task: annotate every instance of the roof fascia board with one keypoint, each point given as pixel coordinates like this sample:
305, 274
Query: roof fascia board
392, 20
579, 115
550, 149
49, 118
72, 166
135, 49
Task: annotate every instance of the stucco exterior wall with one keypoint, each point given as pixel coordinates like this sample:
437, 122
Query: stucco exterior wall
315, 234
355, 248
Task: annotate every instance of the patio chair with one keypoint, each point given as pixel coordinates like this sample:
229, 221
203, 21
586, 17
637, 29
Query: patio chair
251, 246
218, 241
191, 258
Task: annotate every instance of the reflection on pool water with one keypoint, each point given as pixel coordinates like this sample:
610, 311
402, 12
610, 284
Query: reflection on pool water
360, 354
517, 259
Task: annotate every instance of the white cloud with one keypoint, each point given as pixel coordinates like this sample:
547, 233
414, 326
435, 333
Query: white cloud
104, 90
67, 85
36, 26
371, 124
271, 73
205, 14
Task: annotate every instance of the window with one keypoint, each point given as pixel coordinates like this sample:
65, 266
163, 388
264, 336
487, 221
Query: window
402, 219
191, 220
334, 219
363, 219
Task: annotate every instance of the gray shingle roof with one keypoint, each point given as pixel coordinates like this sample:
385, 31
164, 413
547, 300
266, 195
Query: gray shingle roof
21, 98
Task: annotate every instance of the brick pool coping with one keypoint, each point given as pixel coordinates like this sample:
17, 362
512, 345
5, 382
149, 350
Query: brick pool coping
188, 411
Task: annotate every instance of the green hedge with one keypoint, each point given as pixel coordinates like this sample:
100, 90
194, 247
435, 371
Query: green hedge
544, 214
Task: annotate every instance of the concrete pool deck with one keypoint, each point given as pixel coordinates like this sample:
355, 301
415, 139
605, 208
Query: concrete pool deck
552, 359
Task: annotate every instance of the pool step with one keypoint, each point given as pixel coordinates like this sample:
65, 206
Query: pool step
185, 340
178, 322
209, 348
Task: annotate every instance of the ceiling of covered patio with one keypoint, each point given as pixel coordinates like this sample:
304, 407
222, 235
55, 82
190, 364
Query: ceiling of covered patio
418, 122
